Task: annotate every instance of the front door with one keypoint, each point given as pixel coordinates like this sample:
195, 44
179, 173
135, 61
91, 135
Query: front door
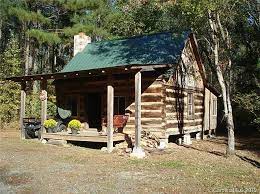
93, 110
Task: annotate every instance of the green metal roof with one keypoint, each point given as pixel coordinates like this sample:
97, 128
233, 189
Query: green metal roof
162, 48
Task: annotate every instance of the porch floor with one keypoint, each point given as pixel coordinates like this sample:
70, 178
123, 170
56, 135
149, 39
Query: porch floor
83, 136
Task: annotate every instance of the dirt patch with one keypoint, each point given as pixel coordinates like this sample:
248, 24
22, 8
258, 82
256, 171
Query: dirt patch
31, 167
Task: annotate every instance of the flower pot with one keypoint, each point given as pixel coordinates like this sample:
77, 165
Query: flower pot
74, 131
55, 130
50, 130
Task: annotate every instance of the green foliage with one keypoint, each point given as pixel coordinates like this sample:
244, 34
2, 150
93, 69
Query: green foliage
33, 106
28, 16
76, 124
50, 123
44, 37
11, 60
9, 91
9, 100
248, 106
76, 5
51, 109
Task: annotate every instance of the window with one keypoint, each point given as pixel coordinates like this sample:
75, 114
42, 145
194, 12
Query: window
119, 105
190, 105
215, 108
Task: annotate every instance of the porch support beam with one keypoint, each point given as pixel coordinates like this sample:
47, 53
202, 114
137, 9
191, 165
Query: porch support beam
43, 97
138, 151
22, 108
110, 114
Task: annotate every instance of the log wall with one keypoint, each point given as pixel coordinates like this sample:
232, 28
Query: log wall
176, 116
151, 107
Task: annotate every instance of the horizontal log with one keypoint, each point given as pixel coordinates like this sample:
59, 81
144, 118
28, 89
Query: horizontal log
197, 93
146, 128
156, 89
170, 109
185, 121
195, 123
171, 125
194, 89
192, 128
129, 125
171, 113
151, 103
200, 97
170, 99
151, 99
183, 125
176, 130
146, 94
199, 110
151, 106
148, 114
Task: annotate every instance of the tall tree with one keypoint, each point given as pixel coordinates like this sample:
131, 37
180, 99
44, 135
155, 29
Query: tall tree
9, 91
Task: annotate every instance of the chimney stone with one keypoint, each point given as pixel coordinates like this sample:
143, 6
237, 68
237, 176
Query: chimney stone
80, 42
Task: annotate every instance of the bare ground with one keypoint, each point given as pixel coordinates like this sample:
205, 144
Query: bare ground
29, 166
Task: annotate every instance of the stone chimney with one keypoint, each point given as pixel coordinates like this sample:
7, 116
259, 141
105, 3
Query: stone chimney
80, 42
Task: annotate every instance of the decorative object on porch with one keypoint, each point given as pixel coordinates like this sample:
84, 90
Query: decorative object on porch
63, 116
74, 125
31, 127
119, 122
63, 113
50, 125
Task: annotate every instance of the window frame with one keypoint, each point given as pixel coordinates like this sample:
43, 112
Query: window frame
190, 104
214, 107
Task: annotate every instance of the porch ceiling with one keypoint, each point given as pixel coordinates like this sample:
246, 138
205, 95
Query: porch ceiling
75, 74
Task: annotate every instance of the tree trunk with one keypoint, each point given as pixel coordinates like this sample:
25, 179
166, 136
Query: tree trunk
230, 127
229, 119
215, 24
26, 54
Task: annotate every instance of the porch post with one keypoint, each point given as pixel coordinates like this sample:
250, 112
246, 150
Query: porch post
43, 97
110, 114
138, 151
22, 108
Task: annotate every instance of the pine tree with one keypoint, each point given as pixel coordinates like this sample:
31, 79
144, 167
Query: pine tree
9, 91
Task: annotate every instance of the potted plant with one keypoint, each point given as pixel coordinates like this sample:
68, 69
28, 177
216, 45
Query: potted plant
50, 125
74, 125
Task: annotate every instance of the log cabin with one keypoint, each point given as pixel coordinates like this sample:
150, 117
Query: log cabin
156, 83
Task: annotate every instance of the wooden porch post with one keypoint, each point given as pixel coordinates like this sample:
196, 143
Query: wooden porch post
110, 114
43, 98
22, 108
137, 151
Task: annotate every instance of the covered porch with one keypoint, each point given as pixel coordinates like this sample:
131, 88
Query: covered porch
109, 136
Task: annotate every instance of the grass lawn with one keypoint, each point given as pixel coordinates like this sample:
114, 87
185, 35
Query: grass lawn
29, 166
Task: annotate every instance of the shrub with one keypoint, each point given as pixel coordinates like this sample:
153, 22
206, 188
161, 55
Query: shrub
76, 124
50, 123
